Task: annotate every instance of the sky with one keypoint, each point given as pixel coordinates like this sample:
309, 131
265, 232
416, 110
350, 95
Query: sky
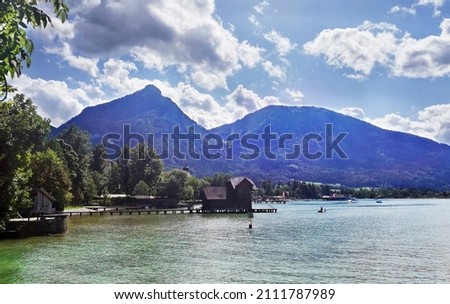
385, 62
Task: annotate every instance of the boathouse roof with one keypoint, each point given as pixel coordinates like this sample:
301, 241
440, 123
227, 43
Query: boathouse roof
235, 181
215, 193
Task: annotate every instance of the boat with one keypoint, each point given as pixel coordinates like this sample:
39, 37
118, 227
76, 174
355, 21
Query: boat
379, 201
322, 210
336, 196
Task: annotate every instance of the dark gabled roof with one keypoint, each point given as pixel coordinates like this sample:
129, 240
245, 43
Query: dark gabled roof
215, 193
235, 181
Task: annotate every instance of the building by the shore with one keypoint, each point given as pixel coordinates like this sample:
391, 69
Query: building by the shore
42, 201
236, 195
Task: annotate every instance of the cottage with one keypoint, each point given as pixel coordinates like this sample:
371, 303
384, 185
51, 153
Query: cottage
43, 201
236, 195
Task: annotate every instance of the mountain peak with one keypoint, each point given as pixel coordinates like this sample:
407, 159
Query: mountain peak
146, 111
149, 90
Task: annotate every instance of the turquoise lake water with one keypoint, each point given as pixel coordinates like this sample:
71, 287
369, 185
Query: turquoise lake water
398, 241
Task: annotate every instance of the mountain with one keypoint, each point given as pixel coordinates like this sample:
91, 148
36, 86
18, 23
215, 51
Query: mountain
146, 111
134, 117
359, 154
372, 156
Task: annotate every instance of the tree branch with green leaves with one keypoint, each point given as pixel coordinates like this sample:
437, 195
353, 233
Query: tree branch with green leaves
16, 48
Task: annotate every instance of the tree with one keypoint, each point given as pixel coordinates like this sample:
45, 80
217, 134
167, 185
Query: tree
98, 162
101, 182
144, 165
15, 16
136, 164
50, 173
124, 170
180, 185
267, 187
141, 188
22, 132
114, 177
173, 184
97, 166
197, 185
76, 145
88, 187
219, 179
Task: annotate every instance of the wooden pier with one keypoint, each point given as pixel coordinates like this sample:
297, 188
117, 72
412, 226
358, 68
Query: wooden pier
270, 200
138, 211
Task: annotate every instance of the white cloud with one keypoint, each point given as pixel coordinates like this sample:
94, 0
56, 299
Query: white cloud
54, 99
260, 7
250, 55
294, 96
432, 122
253, 20
402, 9
243, 101
88, 65
59, 31
204, 109
283, 45
353, 112
274, 71
360, 49
209, 79
200, 107
116, 75
83, 5
437, 4
423, 58
165, 34
363, 48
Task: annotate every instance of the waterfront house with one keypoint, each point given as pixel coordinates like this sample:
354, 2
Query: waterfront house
236, 195
42, 201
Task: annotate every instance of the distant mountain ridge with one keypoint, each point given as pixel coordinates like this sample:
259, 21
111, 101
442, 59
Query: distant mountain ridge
376, 157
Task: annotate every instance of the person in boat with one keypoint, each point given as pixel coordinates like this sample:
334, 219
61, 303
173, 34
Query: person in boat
322, 210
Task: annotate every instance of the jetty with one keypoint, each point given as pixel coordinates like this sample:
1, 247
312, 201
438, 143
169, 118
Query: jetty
43, 224
129, 210
270, 200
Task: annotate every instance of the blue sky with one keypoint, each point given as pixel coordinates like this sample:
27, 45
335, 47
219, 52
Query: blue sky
386, 62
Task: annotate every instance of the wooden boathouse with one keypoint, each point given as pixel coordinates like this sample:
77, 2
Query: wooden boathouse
236, 195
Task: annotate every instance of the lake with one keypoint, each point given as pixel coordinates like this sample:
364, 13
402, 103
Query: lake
397, 241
